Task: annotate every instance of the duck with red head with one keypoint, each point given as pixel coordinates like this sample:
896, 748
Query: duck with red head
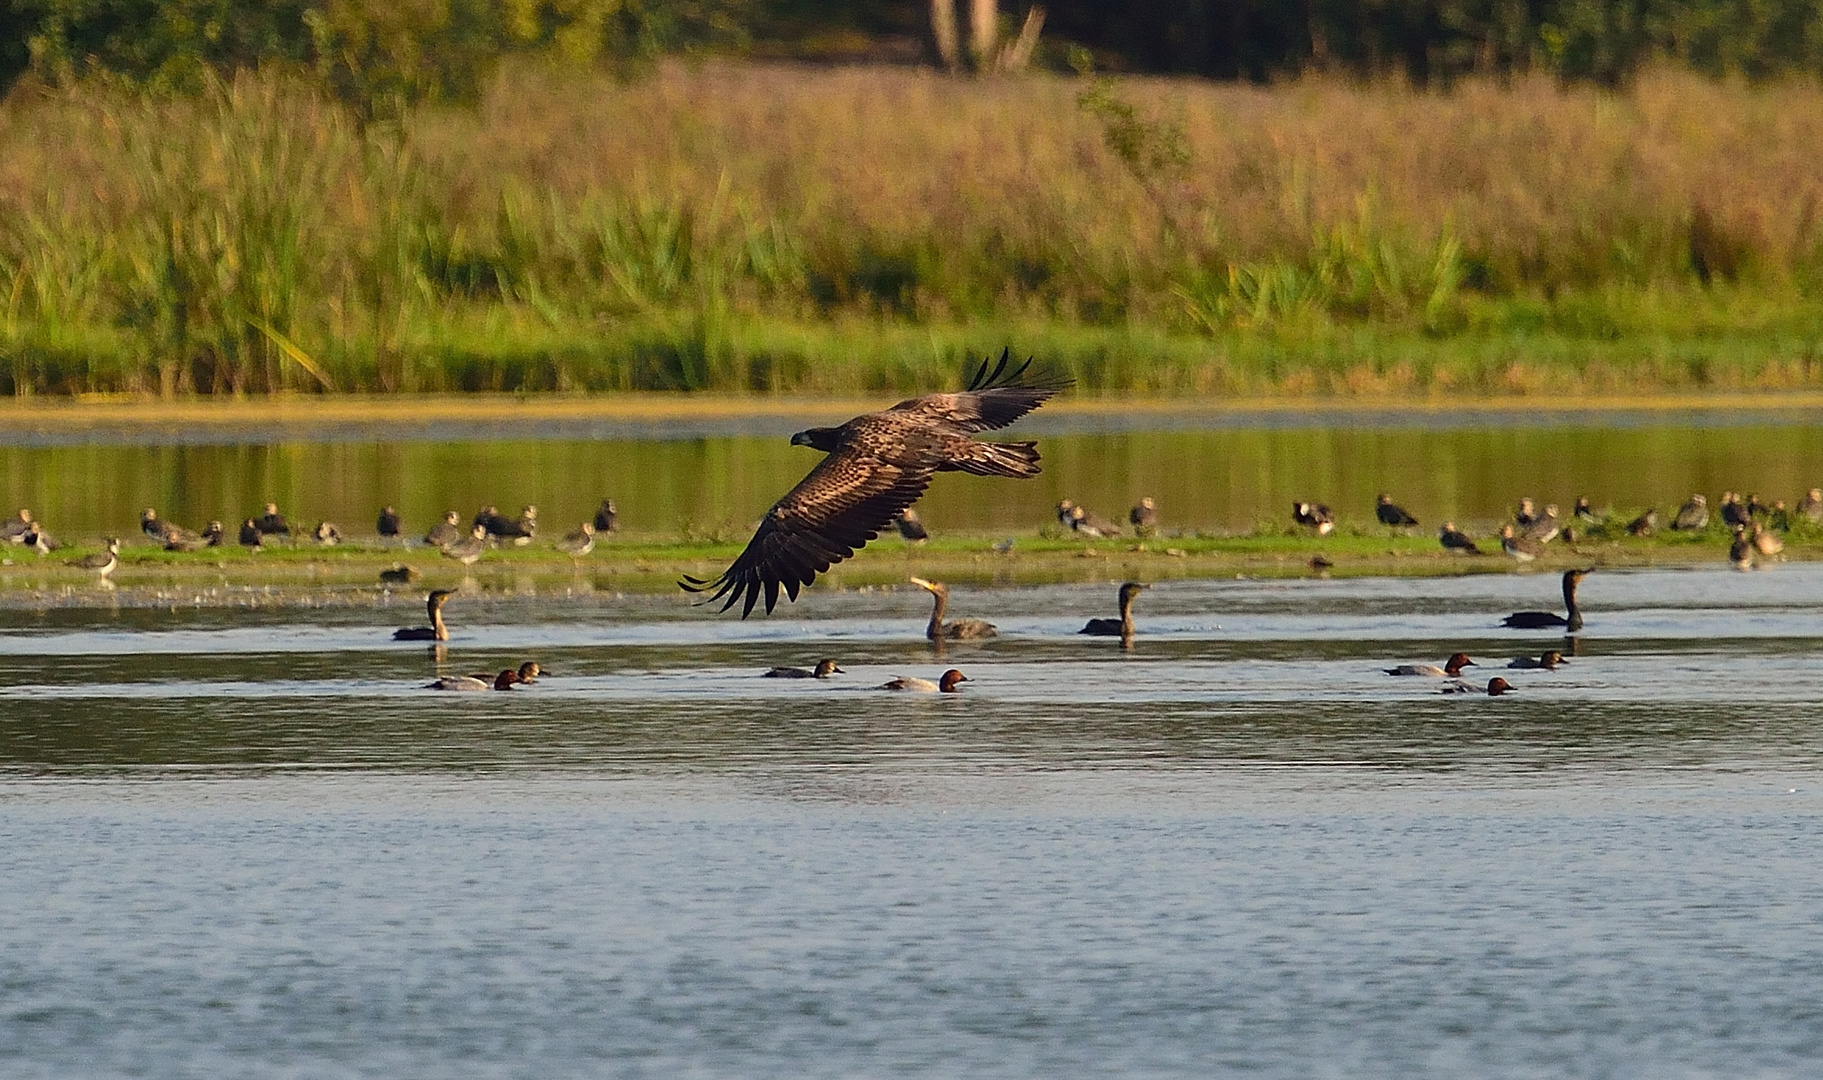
1451, 668
1496, 687
947, 684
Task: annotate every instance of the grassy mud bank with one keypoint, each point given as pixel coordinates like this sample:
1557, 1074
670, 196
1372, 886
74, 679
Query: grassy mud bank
349, 573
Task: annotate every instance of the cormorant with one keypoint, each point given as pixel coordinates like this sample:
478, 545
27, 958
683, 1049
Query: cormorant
1121, 627
958, 630
436, 631
1539, 620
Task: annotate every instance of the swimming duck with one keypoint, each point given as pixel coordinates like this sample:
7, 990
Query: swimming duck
1546, 661
946, 684
1544, 527
1314, 516
1121, 627
528, 672
17, 527
102, 562
388, 524
445, 532
960, 629
436, 631
1765, 542
250, 534
1734, 511
1525, 514
502, 681
607, 519
1089, 523
1539, 620
1496, 687
1454, 539
1144, 516
1391, 515
1451, 668
273, 523
398, 575
468, 551
1810, 507
824, 669
910, 527
1521, 548
1643, 525
1692, 515
328, 533
580, 542
1740, 552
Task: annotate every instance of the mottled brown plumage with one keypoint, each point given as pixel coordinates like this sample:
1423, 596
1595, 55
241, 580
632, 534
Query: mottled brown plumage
878, 465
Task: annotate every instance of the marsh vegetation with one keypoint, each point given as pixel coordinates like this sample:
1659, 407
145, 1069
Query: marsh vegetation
773, 229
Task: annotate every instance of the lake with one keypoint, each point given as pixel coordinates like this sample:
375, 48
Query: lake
1220, 471
247, 843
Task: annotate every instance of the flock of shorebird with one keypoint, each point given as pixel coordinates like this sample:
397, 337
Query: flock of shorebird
877, 465
466, 546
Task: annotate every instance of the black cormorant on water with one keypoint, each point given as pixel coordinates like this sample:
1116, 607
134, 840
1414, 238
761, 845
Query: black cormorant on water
1123, 626
1542, 620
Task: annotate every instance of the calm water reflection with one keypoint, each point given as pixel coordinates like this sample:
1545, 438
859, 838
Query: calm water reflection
245, 843
1227, 478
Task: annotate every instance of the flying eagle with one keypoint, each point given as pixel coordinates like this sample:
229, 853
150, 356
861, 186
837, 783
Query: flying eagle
878, 465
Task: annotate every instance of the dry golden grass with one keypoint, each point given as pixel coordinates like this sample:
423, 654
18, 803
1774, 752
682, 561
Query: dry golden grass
735, 226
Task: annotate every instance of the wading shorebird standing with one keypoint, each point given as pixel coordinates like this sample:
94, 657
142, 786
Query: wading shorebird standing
878, 465
103, 562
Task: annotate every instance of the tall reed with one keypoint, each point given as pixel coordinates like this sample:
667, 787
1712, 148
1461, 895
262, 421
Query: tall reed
757, 228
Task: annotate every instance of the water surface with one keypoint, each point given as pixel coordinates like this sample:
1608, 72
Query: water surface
245, 843
1225, 477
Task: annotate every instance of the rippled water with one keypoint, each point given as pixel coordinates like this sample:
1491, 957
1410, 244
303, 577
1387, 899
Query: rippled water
246, 843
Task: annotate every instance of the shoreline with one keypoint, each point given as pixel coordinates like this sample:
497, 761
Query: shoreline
348, 574
102, 419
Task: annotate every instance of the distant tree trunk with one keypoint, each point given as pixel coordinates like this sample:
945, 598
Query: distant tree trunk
943, 28
984, 24
1017, 56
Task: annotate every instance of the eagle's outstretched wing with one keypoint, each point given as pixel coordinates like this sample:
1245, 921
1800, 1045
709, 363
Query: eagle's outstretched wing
992, 399
833, 512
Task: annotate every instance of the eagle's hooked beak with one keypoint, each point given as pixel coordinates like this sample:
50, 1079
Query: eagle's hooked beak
801, 438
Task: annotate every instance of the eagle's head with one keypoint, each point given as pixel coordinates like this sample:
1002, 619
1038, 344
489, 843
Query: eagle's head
822, 438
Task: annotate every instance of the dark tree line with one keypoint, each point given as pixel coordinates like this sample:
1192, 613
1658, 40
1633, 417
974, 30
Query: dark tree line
381, 50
